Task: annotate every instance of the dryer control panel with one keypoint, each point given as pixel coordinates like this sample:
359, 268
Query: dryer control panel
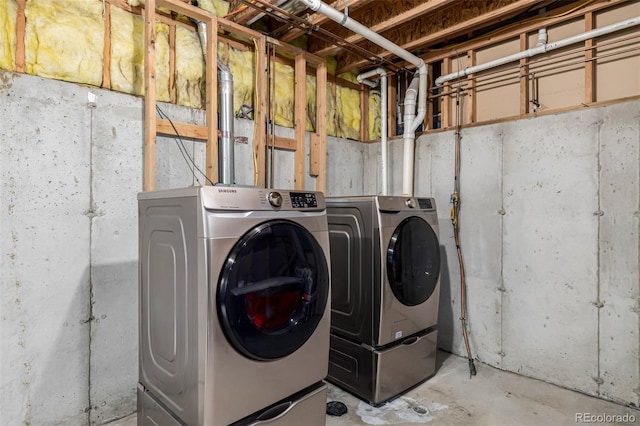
396, 204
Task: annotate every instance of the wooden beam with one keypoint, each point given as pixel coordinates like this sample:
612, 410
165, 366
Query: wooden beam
211, 110
471, 83
364, 113
184, 9
106, 48
149, 181
321, 128
20, 31
445, 106
421, 9
293, 51
173, 95
300, 118
186, 130
524, 76
392, 99
461, 28
493, 39
288, 144
589, 64
319, 19
259, 111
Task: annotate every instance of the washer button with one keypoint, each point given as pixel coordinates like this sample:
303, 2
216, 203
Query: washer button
410, 203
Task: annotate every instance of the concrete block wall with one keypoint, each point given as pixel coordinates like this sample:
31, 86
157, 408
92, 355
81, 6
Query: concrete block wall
70, 171
550, 228
549, 234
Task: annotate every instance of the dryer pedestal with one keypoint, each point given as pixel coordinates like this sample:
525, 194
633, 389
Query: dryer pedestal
377, 375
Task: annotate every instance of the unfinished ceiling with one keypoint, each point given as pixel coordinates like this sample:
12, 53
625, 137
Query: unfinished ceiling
419, 26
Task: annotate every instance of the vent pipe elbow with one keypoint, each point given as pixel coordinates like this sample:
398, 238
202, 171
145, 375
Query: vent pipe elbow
409, 136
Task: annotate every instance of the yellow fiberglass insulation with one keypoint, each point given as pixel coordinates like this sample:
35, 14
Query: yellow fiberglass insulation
127, 54
216, 7
64, 40
284, 88
374, 115
331, 112
311, 103
348, 101
242, 68
190, 68
8, 34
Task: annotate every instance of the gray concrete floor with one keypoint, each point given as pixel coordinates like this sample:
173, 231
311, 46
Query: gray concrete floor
492, 397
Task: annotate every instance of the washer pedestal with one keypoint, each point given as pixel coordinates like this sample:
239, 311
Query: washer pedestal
377, 375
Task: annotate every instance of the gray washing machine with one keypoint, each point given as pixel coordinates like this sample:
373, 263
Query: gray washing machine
385, 270
234, 307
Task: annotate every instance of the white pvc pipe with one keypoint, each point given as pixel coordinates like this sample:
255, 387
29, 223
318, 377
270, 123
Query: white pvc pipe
363, 78
539, 49
409, 135
410, 126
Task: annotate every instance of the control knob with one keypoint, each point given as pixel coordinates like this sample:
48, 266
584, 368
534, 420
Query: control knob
411, 203
275, 199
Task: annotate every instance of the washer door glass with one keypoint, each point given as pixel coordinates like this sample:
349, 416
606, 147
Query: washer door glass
413, 261
273, 290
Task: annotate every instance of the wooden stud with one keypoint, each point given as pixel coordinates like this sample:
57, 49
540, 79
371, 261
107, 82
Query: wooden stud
259, 111
392, 99
590, 63
173, 95
20, 33
106, 48
211, 77
300, 107
471, 83
364, 113
321, 127
524, 76
149, 182
445, 106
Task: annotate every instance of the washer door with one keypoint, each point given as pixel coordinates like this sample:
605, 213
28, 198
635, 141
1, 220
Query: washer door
273, 290
413, 261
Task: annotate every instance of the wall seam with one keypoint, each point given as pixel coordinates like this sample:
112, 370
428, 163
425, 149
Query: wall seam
598, 213
91, 215
637, 390
502, 213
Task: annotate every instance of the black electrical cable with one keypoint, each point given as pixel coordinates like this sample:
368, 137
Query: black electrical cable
183, 150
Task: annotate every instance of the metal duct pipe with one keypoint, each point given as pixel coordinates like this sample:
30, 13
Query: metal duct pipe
542, 48
225, 114
225, 117
363, 78
410, 126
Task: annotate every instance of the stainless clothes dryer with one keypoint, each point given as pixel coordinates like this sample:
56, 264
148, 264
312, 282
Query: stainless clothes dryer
385, 268
234, 312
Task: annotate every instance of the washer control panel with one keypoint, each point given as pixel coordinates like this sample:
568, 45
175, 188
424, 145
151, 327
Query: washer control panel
303, 200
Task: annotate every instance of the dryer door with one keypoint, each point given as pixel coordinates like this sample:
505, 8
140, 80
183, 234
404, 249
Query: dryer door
413, 261
273, 290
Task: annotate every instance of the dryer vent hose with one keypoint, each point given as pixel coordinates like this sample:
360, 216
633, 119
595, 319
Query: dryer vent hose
455, 215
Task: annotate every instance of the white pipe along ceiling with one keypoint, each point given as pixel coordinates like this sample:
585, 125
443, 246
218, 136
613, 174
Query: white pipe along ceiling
541, 47
412, 120
363, 78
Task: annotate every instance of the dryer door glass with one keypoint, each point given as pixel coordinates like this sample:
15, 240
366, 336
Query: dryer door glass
413, 261
273, 290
